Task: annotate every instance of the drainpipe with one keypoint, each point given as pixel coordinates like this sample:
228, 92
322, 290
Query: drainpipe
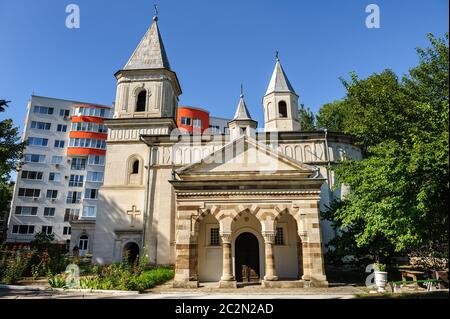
147, 191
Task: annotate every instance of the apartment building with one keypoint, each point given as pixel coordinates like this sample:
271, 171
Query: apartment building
57, 187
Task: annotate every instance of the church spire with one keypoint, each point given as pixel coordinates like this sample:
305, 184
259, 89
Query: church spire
150, 53
242, 112
279, 81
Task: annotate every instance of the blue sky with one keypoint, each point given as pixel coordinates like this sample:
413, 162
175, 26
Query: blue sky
214, 46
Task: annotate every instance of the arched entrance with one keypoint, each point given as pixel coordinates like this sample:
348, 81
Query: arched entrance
131, 252
247, 258
83, 245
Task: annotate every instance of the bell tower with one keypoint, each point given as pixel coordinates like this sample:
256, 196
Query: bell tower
147, 88
280, 103
242, 123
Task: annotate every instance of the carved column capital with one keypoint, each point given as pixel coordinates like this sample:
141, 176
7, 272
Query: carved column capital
226, 238
269, 237
303, 235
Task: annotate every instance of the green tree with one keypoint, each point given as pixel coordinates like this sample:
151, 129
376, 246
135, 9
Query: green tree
398, 193
307, 119
332, 116
10, 153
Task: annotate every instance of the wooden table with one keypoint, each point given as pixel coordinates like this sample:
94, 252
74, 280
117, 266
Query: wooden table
411, 274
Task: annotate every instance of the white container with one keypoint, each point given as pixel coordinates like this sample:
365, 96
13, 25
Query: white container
381, 280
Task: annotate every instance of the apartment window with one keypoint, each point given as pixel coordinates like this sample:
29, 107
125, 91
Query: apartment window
61, 128
49, 212
97, 160
71, 214
59, 144
41, 126
30, 175
186, 121
23, 229
29, 192
90, 111
279, 236
43, 110
214, 237
64, 113
26, 211
37, 141
47, 230
54, 177
52, 194
34, 158
57, 160
197, 123
73, 198
67, 231
89, 127
78, 164
76, 181
91, 193
96, 177
89, 211
87, 143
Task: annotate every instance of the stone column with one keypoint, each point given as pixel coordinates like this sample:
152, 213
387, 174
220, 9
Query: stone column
271, 274
186, 250
227, 280
313, 261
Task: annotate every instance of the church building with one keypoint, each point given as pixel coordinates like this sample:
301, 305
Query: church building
225, 208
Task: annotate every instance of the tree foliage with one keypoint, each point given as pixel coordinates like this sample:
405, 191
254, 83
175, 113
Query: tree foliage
331, 116
10, 152
399, 193
307, 119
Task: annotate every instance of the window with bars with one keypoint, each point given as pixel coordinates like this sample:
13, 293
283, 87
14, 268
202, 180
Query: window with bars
214, 239
279, 237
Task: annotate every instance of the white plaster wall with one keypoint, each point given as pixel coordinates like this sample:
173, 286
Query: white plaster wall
209, 257
286, 260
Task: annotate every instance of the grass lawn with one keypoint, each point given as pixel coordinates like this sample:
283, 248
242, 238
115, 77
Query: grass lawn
412, 295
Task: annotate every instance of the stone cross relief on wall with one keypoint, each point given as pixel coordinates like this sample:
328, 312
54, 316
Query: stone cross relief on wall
133, 213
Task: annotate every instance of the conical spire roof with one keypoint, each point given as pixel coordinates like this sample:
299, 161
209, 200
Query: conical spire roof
150, 53
242, 112
279, 81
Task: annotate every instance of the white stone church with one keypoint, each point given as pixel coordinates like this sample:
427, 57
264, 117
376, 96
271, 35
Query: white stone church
241, 207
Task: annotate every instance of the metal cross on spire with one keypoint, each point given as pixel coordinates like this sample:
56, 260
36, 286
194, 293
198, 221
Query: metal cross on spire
242, 90
155, 8
277, 55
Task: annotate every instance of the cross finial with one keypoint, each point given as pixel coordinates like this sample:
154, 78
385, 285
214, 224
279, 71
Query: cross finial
155, 8
277, 55
242, 90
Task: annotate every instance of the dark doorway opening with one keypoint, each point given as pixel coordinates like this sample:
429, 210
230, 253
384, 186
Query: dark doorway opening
247, 258
131, 252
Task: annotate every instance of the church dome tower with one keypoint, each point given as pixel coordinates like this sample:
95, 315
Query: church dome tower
280, 103
147, 88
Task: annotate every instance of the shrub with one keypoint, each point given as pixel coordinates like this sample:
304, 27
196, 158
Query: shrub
379, 267
13, 265
58, 281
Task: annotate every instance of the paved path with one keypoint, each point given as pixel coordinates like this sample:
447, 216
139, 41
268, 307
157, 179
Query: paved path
25, 294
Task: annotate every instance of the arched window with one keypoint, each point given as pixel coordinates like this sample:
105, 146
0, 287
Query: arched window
141, 101
282, 109
135, 169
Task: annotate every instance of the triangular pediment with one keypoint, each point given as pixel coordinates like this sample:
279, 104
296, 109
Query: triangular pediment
246, 157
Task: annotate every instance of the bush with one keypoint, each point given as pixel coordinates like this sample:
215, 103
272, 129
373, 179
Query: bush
58, 281
13, 265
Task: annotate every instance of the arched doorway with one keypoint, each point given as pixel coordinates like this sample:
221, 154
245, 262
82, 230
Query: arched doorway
247, 258
83, 245
131, 252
